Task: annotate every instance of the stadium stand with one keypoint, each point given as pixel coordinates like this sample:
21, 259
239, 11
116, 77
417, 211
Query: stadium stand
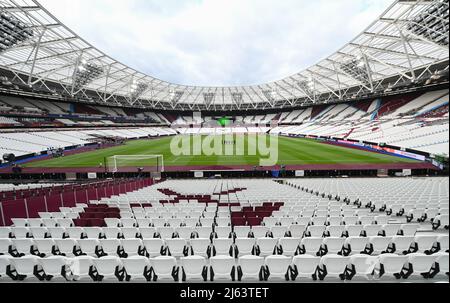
329, 209
122, 224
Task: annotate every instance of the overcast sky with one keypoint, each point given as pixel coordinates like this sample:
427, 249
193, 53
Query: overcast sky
218, 42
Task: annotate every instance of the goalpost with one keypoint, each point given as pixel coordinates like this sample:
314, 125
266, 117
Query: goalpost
134, 163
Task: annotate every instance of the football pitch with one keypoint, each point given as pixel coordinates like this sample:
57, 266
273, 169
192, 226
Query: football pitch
290, 151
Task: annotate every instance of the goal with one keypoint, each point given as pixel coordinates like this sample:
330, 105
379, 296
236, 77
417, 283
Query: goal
134, 163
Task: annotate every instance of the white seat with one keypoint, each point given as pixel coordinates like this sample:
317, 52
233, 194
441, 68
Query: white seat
144, 222
334, 221
166, 232
391, 264
44, 215
165, 267
424, 243
223, 247
185, 232
21, 232
20, 222
26, 265
304, 221
56, 232
244, 246
333, 265
223, 221
148, 232
333, 245
250, 267
130, 232
400, 244
372, 230
66, 246
38, 232
110, 246
191, 222
75, 232
355, 245
5, 265
279, 231
382, 220
305, 266
89, 246
289, 246
311, 245
207, 222
200, 246
81, 267
223, 231
266, 246
260, 231
379, 245
316, 231
203, 231
409, 229
278, 267
443, 260
363, 265
319, 220
391, 230
351, 220
35, 222
153, 246
194, 267
132, 247
64, 222
108, 267
241, 231
441, 221
366, 220
222, 267
270, 221
5, 245
287, 221
49, 222
128, 222
177, 247
335, 230
93, 232
419, 263
5, 232
24, 246
45, 246
112, 222
354, 230
174, 222
443, 243
297, 230
56, 266
136, 267
112, 232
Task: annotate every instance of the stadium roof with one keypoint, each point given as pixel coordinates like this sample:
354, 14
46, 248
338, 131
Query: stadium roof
401, 46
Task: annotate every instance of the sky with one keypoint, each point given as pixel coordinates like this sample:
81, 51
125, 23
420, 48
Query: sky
218, 42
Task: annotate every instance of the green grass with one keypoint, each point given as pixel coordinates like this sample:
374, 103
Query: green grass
292, 151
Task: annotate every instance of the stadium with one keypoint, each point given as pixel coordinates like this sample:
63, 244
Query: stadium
338, 173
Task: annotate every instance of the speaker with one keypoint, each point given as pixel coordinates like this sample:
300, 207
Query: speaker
9, 157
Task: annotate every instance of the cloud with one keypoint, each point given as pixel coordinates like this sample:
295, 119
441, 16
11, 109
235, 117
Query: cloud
218, 42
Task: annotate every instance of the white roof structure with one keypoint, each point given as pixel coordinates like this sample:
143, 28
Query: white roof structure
402, 45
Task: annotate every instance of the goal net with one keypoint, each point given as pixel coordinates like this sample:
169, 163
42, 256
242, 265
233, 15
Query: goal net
135, 163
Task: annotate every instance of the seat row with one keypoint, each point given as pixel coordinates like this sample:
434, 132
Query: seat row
294, 230
224, 267
206, 247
